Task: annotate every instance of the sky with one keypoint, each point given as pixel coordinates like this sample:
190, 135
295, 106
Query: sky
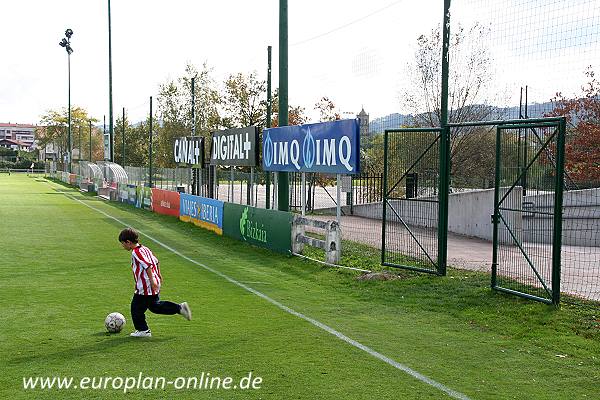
354, 52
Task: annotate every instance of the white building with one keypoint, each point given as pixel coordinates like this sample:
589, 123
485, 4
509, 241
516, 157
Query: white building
22, 135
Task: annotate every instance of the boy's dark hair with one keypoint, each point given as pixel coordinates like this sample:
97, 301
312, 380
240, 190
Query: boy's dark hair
128, 234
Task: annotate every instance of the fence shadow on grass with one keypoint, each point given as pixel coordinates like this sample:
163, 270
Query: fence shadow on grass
76, 353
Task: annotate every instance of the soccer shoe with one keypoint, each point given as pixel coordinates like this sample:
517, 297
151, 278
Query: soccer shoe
185, 311
141, 333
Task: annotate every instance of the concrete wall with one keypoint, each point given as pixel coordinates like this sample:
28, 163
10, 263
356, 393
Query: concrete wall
581, 218
469, 213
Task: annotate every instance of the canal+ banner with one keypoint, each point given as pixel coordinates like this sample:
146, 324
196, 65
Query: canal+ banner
189, 150
330, 147
202, 212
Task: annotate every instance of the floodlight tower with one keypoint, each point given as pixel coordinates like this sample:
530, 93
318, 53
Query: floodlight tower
66, 43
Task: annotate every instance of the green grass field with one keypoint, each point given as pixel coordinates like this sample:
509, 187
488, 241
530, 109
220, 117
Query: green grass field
62, 271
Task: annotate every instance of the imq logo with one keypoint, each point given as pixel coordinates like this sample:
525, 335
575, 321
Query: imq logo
251, 229
308, 152
189, 150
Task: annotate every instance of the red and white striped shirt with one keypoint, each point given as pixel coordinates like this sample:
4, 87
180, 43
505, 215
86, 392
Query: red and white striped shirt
143, 262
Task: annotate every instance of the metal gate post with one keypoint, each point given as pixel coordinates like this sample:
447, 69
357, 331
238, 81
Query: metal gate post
444, 158
385, 194
558, 202
495, 216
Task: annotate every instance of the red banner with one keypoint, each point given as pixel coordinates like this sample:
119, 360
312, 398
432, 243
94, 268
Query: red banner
165, 202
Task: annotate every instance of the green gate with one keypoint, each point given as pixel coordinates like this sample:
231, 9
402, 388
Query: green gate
528, 227
415, 199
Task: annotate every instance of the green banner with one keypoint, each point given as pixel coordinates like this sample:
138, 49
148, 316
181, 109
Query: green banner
264, 228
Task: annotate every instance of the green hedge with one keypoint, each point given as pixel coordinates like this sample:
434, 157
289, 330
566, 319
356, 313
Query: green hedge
23, 164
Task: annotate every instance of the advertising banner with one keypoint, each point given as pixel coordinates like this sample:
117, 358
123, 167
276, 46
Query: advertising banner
329, 147
107, 146
123, 192
131, 194
235, 147
264, 228
143, 197
165, 202
189, 150
202, 212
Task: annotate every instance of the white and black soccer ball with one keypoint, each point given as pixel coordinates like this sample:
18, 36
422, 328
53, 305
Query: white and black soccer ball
114, 322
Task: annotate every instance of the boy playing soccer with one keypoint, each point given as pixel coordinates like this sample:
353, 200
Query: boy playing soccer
146, 274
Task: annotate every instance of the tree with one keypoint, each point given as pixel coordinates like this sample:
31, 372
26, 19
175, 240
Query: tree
53, 128
582, 147
295, 113
137, 144
469, 78
175, 111
245, 100
327, 110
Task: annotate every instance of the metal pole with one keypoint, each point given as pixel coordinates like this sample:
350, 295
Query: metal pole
558, 203
193, 106
275, 193
445, 64
90, 140
69, 144
123, 137
104, 137
283, 186
79, 142
268, 125
338, 212
110, 103
215, 183
496, 216
444, 157
150, 153
384, 195
252, 187
519, 151
196, 183
303, 196
231, 188
525, 148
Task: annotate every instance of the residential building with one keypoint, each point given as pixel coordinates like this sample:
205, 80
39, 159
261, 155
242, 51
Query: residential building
14, 144
18, 135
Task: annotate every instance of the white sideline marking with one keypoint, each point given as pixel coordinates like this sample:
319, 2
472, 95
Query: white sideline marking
339, 335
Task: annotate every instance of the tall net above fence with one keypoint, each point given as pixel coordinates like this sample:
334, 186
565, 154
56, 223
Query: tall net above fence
537, 58
547, 46
355, 56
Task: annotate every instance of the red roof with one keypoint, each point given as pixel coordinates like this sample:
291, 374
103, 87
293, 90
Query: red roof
17, 142
3, 125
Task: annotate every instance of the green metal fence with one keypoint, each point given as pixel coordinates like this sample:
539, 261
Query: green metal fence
415, 199
526, 258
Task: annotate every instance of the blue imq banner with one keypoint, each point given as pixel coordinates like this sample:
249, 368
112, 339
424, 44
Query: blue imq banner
203, 212
330, 147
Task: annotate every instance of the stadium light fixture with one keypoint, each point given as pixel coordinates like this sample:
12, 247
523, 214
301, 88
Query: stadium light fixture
66, 43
